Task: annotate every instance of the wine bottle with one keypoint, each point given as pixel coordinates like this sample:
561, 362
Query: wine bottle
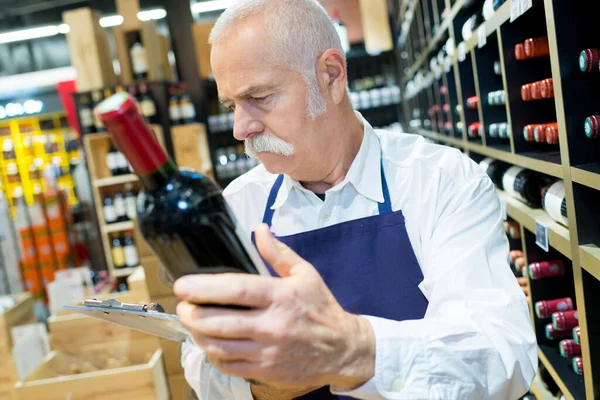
110, 215
139, 62
120, 209
174, 111
554, 202
577, 364
86, 115
341, 30
565, 319
588, 60
536, 47
112, 163
577, 335
181, 214
524, 184
130, 202
592, 127
495, 170
117, 252
187, 112
568, 348
130, 252
147, 106
545, 308
555, 334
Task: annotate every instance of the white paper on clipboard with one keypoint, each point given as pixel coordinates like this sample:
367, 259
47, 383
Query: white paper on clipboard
166, 326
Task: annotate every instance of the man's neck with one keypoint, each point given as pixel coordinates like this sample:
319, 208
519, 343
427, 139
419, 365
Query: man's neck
337, 166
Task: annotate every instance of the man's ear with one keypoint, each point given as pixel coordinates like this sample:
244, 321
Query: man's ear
332, 74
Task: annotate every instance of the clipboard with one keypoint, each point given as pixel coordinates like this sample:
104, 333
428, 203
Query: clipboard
148, 318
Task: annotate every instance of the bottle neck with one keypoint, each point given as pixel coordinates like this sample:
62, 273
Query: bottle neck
158, 178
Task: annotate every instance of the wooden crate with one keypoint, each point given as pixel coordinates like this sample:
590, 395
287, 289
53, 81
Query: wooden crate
143, 380
201, 32
179, 388
171, 356
89, 49
190, 145
155, 285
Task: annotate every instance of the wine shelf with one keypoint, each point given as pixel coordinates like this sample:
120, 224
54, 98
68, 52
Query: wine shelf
123, 272
558, 235
574, 159
590, 259
118, 227
115, 180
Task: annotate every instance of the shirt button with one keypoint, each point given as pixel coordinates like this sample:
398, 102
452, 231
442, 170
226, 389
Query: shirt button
398, 385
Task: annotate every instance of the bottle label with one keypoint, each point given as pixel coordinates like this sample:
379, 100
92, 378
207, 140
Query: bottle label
174, 112
187, 111
122, 162
130, 205
120, 208
131, 256
118, 256
111, 161
110, 214
138, 60
148, 108
87, 117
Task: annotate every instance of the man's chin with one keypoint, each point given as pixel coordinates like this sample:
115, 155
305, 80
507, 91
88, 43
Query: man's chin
275, 163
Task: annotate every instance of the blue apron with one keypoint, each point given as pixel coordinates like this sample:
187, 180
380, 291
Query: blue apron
368, 264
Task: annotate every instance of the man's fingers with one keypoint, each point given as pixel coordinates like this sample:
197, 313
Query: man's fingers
227, 350
283, 259
226, 289
219, 323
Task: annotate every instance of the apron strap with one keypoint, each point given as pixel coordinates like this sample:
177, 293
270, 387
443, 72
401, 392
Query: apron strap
384, 208
268, 215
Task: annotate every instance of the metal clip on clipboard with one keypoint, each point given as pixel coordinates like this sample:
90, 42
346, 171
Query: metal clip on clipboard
149, 318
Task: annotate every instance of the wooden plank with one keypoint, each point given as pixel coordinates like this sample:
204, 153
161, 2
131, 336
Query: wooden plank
115, 180
178, 387
19, 314
190, 145
201, 32
171, 356
129, 9
376, 26
590, 259
118, 227
586, 178
555, 376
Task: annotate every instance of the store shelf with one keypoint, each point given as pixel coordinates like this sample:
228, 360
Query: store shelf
558, 235
590, 259
123, 272
118, 227
115, 180
559, 368
541, 166
587, 178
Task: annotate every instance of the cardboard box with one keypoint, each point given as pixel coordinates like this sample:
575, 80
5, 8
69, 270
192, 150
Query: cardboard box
201, 32
179, 388
154, 282
171, 356
190, 145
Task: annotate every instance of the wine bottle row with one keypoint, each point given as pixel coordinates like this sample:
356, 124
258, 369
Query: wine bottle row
124, 252
376, 97
532, 48
541, 133
120, 207
233, 162
116, 162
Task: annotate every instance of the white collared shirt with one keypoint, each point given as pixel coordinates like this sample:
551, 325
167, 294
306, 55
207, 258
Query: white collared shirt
476, 340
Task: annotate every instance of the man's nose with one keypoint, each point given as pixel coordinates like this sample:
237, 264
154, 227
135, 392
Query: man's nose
245, 125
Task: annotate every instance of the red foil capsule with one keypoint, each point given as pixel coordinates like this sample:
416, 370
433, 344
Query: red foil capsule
446, 108
577, 364
443, 90
577, 335
474, 130
552, 133
472, 102
547, 88
535, 91
592, 127
537, 47
526, 92
546, 269
568, 348
437, 108
520, 52
528, 133
539, 132
555, 334
588, 60
565, 320
545, 308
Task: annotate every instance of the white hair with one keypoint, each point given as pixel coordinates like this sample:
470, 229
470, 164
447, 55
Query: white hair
300, 31
266, 143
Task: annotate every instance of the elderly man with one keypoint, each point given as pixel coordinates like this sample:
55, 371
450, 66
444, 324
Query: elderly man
389, 262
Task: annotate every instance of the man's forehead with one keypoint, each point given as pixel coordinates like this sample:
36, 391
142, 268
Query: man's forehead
246, 91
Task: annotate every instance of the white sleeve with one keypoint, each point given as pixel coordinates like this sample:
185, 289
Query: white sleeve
476, 340
207, 381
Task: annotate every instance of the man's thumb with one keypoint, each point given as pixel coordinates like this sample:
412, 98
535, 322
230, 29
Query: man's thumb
283, 259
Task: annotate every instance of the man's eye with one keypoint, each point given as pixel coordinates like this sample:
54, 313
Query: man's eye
261, 99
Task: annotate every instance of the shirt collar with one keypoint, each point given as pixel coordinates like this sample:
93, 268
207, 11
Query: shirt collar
364, 173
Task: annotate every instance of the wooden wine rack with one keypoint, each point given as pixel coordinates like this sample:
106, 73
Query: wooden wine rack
570, 27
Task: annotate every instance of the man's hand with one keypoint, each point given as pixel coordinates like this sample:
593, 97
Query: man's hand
265, 392
295, 334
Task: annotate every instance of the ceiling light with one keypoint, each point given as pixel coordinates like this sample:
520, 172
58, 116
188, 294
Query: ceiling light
27, 34
149, 15
112, 20
208, 6
63, 28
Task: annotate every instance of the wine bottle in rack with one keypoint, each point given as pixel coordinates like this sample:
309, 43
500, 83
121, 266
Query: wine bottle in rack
174, 111
524, 185
130, 202
120, 209
577, 364
536, 47
182, 215
556, 334
554, 202
86, 114
111, 160
118, 253
96, 99
130, 251
568, 348
546, 269
513, 229
592, 127
577, 335
565, 320
473, 102
108, 209
497, 68
146, 102
187, 112
545, 308
520, 52
495, 169
551, 133
139, 61
475, 130
589, 59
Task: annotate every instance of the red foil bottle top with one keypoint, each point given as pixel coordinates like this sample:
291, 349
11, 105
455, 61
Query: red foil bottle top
526, 92
520, 52
436, 108
537, 47
539, 133
448, 127
474, 129
552, 133
555, 334
535, 90
588, 60
446, 108
440, 125
472, 102
528, 133
577, 335
565, 319
546, 269
545, 308
131, 133
568, 348
547, 88
592, 126
443, 90
577, 364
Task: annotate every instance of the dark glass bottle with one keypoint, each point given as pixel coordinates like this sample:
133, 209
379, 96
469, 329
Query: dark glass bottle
181, 214
110, 215
120, 209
